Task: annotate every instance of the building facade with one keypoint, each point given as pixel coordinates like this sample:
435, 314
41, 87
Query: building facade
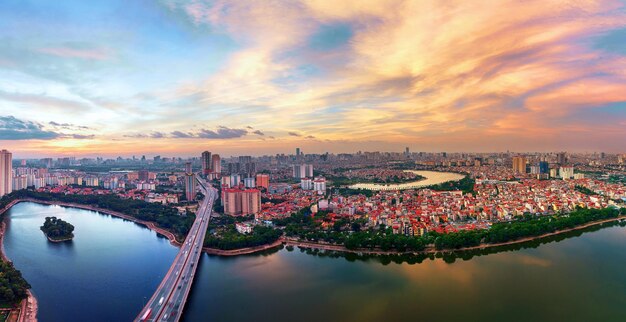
6, 172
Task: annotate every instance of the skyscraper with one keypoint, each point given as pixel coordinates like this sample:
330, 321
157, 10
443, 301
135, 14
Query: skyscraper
297, 152
6, 172
216, 166
519, 164
206, 162
144, 175
263, 180
561, 158
190, 182
544, 167
241, 202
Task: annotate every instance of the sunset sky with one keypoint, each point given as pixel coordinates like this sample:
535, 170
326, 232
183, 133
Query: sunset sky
108, 78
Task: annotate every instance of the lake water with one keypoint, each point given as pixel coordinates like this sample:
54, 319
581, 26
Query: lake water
431, 178
112, 265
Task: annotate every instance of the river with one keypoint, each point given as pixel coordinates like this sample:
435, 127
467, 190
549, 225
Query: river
112, 265
431, 178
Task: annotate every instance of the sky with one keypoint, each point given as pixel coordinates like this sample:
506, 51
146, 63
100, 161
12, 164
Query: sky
176, 77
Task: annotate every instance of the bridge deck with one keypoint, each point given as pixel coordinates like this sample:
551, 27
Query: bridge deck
168, 301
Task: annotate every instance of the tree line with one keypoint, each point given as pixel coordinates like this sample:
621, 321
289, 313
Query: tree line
13, 287
349, 233
164, 216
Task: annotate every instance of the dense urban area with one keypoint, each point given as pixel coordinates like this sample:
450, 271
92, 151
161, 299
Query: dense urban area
365, 202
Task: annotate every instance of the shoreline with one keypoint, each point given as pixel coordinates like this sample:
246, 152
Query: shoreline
432, 250
453, 176
152, 226
287, 241
28, 306
52, 240
243, 251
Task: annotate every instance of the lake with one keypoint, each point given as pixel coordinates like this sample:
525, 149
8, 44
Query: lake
112, 265
431, 178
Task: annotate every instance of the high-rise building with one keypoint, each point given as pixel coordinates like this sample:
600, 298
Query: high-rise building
235, 180
263, 180
206, 160
298, 171
6, 172
561, 158
297, 152
519, 164
306, 184
566, 172
216, 165
319, 185
20, 182
231, 200
241, 202
250, 201
249, 182
143, 175
302, 171
544, 167
190, 182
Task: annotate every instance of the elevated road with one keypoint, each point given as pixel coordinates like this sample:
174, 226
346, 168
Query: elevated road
169, 299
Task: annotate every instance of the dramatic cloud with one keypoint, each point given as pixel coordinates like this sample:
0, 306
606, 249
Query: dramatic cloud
222, 132
157, 135
68, 126
359, 74
14, 129
181, 135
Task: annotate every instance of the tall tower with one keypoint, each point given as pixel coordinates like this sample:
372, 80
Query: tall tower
561, 158
6, 172
216, 165
190, 183
206, 163
519, 164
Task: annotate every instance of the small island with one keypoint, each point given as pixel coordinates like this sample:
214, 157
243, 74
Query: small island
57, 230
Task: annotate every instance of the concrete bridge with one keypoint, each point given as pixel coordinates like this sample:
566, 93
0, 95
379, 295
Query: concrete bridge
169, 299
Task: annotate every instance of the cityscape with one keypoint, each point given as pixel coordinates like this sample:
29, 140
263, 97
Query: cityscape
389, 160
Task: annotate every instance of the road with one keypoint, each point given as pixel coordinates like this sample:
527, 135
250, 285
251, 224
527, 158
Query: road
169, 299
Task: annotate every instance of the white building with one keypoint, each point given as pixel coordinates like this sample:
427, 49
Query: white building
319, 185
249, 182
20, 182
244, 228
566, 172
302, 171
235, 179
306, 184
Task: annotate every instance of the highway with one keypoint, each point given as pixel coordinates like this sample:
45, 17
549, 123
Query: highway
169, 299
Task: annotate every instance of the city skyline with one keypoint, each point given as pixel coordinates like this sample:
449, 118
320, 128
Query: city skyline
177, 77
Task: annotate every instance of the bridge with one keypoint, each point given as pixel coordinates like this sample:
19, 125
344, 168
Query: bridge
168, 301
